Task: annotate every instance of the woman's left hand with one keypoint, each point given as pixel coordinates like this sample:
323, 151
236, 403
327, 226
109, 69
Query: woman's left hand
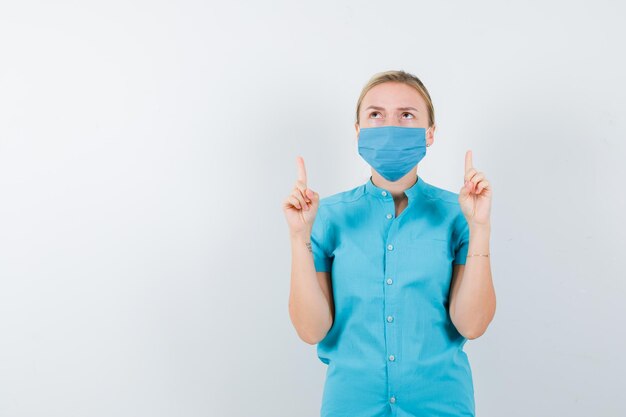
475, 196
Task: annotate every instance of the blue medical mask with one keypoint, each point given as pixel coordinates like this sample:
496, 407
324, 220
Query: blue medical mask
392, 150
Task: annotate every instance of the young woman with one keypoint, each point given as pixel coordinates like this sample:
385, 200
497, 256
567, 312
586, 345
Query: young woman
391, 278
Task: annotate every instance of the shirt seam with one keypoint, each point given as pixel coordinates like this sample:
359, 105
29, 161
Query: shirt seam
357, 198
326, 233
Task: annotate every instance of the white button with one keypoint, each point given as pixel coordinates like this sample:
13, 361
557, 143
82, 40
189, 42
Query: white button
390, 247
389, 216
384, 193
389, 319
392, 400
389, 281
392, 358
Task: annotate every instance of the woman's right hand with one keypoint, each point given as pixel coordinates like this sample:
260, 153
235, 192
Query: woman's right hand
300, 207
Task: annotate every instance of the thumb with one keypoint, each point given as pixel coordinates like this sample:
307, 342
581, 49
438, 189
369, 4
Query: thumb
315, 197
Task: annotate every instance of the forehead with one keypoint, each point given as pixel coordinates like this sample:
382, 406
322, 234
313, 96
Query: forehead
391, 95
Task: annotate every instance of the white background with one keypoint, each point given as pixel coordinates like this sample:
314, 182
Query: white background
146, 148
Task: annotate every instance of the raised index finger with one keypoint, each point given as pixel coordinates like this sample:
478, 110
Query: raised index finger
468, 161
301, 170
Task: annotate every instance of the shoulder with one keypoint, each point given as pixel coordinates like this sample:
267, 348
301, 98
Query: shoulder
444, 196
447, 203
337, 207
342, 199
446, 200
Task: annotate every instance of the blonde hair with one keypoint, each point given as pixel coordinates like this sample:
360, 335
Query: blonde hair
402, 77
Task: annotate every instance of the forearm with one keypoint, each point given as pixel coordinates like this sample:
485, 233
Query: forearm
308, 307
475, 302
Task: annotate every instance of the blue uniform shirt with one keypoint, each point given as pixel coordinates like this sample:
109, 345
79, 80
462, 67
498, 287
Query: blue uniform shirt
392, 349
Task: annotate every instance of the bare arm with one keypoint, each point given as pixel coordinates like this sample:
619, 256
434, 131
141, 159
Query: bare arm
472, 296
310, 297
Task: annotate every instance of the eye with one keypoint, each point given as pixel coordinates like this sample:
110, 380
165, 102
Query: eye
411, 114
374, 112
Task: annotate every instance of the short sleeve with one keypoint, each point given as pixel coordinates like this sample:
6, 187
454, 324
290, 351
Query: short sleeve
462, 241
320, 242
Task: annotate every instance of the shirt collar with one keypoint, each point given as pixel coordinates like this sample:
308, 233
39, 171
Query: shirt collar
412, 192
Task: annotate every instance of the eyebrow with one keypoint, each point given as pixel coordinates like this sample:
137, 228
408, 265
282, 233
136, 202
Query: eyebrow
399, 108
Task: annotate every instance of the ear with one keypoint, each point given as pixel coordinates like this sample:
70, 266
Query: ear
430, 134
357, 128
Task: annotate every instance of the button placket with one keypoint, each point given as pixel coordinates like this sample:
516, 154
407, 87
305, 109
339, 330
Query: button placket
391, 334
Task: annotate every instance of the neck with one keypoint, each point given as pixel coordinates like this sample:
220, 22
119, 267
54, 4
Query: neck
396, 188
